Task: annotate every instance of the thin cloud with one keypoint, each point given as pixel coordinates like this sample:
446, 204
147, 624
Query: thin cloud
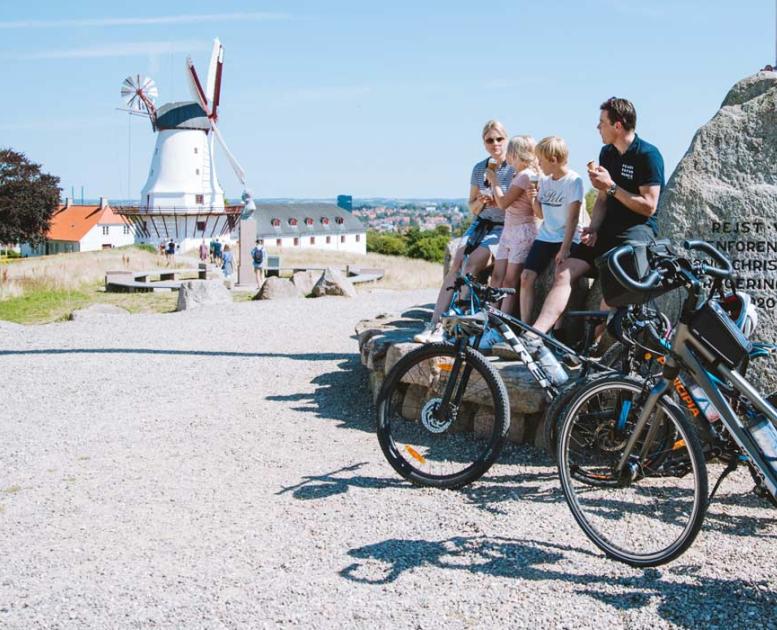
127, 49
146, 21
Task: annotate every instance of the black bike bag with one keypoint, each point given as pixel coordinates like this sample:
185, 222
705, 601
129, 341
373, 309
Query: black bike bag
715, 330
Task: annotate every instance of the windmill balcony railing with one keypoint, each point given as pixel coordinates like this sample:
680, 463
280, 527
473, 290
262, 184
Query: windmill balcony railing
179, 210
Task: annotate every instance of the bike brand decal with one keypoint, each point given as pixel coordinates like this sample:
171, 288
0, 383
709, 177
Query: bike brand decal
681, 390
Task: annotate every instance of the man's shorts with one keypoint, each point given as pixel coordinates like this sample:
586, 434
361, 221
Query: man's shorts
606, 242
516, 242
542, 254
490, 241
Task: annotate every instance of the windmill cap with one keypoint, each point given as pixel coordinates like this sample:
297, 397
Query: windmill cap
184, 115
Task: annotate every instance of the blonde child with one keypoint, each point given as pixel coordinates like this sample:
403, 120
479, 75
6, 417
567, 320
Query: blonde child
558, 201
521, 224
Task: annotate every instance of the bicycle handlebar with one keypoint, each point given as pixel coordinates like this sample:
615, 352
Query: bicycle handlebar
726, 270
653, 281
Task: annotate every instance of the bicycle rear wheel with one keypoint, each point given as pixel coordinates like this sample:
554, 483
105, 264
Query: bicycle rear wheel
650, 513
428, 445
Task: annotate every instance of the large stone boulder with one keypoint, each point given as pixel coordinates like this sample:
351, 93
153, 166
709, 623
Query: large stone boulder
275, 288
724, 190
197, 293
306, 280
97, 310
333, 282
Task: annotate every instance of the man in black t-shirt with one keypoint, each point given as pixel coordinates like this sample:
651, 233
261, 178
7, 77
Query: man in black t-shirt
629, 180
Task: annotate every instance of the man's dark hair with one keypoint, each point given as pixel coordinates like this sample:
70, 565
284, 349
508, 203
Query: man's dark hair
622, 111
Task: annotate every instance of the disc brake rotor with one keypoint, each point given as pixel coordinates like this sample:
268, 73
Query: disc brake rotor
431, 422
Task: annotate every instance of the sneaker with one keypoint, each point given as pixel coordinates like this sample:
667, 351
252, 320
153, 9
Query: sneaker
430, 334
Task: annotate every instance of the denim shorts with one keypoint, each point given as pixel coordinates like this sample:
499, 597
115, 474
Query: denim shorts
490, 240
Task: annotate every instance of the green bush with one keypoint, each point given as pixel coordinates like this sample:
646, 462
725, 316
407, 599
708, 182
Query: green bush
388, 244
431, 247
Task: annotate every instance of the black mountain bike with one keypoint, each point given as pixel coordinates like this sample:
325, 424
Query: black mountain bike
631, 464
443, 412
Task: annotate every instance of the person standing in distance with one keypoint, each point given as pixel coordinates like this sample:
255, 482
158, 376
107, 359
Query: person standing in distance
629, 179
258, 257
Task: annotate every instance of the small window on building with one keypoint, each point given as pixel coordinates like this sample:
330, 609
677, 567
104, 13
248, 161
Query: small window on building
196, 150
196, 171
200, 199
342, 238
201, 226
296, 241
312, 240
328, 240
126, 229
358, 237
278, 242
105, 229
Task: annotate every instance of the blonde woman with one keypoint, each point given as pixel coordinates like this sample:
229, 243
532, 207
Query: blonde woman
521, 224
482, 238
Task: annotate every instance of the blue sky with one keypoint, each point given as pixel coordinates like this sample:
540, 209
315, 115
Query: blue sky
371, 99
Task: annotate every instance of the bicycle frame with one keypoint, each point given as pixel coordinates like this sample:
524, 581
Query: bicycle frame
683, 355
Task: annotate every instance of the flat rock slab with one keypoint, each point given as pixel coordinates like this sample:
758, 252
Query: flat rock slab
97, 310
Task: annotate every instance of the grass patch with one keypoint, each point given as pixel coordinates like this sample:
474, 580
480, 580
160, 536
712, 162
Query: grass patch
41, 307
12, 489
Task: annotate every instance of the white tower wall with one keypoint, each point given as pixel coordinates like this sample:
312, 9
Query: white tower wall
182, 168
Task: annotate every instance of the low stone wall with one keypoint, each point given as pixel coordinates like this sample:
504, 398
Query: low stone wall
386, 339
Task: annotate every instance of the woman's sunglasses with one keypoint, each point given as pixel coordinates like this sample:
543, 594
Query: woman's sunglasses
494, 140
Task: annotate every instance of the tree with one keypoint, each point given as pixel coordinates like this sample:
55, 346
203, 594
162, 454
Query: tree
28, 199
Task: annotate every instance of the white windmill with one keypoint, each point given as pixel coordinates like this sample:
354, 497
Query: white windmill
182, 198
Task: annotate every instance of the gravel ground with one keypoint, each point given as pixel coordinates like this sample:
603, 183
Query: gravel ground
218, 468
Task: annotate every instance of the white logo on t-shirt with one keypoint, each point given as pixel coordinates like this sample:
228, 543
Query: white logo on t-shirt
627, 171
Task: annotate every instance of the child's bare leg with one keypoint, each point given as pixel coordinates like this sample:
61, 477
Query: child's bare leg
528, 278
511, 281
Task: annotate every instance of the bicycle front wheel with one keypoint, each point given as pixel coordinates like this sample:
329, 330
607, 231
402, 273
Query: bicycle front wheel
651, 512
442, 419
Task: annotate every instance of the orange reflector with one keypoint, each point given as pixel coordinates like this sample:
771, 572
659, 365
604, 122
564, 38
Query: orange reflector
678, 444
648, 356
445, 366
415, 454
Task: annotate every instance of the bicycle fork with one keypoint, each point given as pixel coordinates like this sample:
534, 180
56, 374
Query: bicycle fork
454, 388
658, 390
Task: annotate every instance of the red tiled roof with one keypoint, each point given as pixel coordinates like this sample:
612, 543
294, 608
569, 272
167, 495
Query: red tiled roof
72, 223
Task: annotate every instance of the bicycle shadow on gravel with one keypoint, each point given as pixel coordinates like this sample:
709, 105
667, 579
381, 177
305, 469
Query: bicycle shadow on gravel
331, 483
685, 602
341, 395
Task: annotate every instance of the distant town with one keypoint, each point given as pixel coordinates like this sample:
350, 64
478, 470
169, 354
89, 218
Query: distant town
401, 217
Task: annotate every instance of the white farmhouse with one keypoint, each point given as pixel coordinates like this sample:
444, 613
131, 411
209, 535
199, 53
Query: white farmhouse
317, 225
82, 229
